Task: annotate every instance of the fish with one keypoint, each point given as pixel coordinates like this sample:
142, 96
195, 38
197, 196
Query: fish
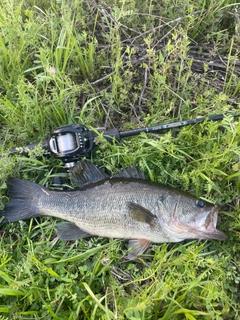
125, 206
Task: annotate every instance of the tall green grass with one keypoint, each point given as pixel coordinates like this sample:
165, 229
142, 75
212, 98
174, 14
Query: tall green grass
124, 64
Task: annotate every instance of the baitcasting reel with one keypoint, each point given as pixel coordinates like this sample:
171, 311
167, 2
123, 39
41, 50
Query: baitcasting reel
70, 142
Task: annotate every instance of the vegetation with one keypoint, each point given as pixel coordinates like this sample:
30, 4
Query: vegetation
124, 64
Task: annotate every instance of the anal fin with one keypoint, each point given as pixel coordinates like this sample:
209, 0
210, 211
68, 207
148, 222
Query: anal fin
137, 247
70, 231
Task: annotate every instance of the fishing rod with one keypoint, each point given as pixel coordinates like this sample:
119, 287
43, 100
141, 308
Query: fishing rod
70, 142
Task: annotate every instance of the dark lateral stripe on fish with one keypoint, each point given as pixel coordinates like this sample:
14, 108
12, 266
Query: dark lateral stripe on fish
116, 207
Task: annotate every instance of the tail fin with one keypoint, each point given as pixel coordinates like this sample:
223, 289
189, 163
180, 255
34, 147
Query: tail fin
23, 200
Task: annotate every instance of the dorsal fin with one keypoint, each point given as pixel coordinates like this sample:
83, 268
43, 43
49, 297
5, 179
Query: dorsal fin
130, 173
86, 173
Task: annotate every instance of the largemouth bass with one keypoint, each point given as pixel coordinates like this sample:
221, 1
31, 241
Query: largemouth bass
125, 206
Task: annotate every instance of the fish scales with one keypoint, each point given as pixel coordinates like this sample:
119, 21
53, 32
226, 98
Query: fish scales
99, 211
125, 206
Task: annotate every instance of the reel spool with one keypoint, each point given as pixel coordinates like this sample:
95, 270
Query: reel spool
70, 142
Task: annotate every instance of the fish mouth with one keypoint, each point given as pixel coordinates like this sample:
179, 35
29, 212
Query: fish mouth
203, 227
207, 225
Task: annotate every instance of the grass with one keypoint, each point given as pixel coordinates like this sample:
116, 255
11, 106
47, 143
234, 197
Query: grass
124, 64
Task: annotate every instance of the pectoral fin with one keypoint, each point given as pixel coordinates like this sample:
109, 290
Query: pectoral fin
69, 231
140, 214
137, 247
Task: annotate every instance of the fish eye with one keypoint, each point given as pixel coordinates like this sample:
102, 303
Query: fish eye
200, 203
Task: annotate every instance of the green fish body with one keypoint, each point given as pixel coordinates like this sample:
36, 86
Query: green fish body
124, 206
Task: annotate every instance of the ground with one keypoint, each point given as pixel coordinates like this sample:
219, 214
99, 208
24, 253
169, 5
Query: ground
124, 64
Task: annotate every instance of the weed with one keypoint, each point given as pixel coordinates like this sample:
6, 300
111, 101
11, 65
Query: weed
124, 64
